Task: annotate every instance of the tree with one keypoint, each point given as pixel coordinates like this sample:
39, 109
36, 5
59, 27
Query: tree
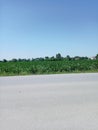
4, 60
52, 58
58, 56
68, 57
47, 58
14, 60
96, 56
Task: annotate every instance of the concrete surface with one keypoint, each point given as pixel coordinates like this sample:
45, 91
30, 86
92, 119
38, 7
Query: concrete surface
49, 102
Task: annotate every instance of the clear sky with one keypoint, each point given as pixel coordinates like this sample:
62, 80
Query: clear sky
39, 28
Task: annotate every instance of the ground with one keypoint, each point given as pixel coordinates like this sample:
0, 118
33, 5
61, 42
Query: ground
49, 102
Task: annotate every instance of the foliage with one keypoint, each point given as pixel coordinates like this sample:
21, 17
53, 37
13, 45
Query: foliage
96, 56
48, 65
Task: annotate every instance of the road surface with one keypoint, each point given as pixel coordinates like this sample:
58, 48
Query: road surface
49, 102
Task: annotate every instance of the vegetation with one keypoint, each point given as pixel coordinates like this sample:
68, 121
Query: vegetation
49, 65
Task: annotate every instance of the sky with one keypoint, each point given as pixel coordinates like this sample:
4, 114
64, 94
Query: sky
39, 28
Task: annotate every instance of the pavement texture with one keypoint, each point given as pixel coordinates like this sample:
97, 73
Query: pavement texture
49, 102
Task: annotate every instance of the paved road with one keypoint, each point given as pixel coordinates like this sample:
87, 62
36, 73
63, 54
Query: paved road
49, 102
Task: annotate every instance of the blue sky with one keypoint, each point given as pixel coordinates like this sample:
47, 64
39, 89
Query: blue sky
39, 28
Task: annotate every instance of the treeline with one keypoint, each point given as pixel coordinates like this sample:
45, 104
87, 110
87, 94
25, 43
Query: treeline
53, 58
49, 65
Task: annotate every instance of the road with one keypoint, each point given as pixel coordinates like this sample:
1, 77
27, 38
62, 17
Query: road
49, 102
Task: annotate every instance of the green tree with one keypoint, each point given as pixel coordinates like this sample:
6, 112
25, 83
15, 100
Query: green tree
68, 57
14, 60
58, 56
4, 60
96, 56
47, 58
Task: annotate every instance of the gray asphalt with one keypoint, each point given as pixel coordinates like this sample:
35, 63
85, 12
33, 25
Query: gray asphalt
49, 102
